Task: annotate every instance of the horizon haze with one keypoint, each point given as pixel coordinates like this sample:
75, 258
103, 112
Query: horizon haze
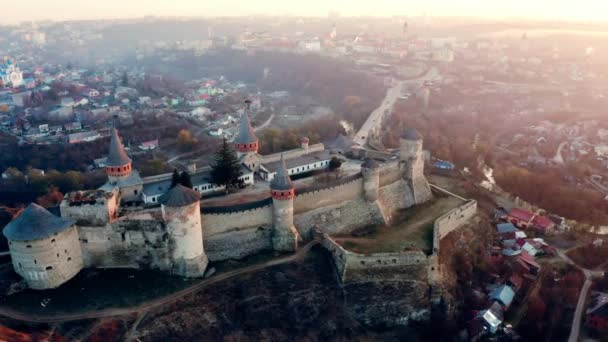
62, 10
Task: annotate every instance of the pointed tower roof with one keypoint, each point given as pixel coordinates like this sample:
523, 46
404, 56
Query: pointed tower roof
281, 180
246, 132
179, 196
35, 223
118, 155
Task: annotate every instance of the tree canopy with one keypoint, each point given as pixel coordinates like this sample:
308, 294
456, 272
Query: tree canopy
226, 168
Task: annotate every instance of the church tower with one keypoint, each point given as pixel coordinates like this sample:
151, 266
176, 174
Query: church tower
412, 163
284, 236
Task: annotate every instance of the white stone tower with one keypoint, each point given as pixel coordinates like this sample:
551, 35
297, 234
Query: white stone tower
285, 237
181, 212
371, 179
412, 164
44, 248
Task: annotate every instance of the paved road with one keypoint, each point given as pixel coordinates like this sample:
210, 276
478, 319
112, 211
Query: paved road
580, 305
558, 154
112, 312
375, 118
266, 123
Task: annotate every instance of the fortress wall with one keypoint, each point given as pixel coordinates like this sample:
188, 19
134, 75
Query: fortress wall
341, 218
329, 196
89, 214
396, 196
126, 243
354, 267
221, 223
444, 225
390, 173
451, 220
238, 244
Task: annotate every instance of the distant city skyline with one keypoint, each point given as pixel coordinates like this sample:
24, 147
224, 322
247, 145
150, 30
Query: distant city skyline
58, 10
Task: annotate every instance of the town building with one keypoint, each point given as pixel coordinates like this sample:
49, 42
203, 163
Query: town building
10, 74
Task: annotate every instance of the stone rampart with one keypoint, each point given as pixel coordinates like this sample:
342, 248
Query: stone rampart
396, 196
313, 198
222, 223
354, 266
238, 244
136, 243
341, 218
390, 173
451, 220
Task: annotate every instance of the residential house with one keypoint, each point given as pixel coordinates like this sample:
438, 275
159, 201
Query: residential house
597, 312
525, 219
527, 265
516, 282
149, 145
492, 317
87, 136
504, 295
295, 166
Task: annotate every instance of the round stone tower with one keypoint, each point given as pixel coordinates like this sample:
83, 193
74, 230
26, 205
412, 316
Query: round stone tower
118, 164
285, 236
412, 164
44, 248
181, 212
246, 141
371, 179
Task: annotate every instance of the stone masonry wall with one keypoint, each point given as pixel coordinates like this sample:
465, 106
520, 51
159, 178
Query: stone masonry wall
238, 244
396, 196
347, 262
137, 242
341, 218
451, 220
390, 173
382, 289
328, 197
222, 223
444, 225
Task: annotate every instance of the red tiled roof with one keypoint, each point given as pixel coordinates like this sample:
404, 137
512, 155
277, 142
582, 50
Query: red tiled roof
516, 280
520, 214
527, 259
542, 222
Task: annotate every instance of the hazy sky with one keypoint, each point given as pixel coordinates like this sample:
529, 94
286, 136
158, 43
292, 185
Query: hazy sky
20, 10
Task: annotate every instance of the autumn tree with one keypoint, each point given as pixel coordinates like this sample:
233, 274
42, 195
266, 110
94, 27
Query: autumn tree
52, 198
185, 140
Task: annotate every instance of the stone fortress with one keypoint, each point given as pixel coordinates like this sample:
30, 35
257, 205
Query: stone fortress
114, 227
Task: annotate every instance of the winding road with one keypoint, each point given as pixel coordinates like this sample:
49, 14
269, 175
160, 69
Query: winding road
582, 297
112, 312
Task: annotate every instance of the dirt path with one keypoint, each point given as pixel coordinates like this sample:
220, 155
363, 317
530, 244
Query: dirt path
146, 306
